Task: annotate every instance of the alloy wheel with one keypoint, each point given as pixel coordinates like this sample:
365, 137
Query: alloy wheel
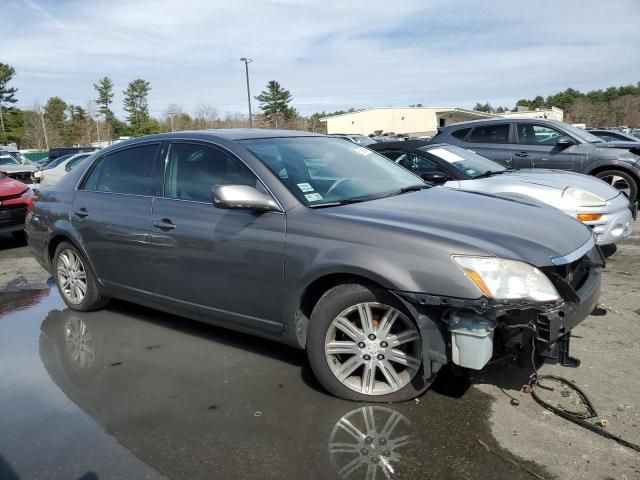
373, 348
618, 183
72, 276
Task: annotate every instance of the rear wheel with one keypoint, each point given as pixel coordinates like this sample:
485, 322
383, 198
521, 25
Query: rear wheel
621, 181
363, 345
76, 283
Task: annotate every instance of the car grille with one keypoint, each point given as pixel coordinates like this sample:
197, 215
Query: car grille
24, 177
12, 215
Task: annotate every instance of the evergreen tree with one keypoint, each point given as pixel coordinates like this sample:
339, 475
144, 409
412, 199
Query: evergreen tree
104, 87
136, 103
274, 102
7, 95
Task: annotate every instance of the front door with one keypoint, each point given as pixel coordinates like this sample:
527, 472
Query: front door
536, 147
225, 264
111, 212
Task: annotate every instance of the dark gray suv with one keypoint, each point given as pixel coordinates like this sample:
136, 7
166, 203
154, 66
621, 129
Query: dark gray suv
539, 143
321, 244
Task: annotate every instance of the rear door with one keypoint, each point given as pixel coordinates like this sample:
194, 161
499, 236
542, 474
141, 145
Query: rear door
111, 212
535, 147
492, 141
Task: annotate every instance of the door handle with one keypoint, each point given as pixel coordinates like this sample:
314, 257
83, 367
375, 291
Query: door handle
81, 212
164, 224
522, 154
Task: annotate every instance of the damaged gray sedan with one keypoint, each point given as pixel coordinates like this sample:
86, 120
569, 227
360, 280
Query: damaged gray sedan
320, 244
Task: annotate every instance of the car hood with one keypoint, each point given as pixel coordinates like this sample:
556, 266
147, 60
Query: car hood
487, 223
626, 151
10, 187
558, 179
17, 168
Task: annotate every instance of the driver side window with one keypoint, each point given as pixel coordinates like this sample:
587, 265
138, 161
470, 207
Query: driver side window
532, 134
192, 170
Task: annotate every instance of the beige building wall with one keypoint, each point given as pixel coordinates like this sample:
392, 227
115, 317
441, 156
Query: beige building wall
397, 120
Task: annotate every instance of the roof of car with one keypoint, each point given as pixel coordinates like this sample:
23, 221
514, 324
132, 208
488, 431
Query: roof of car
232, 134
489, 121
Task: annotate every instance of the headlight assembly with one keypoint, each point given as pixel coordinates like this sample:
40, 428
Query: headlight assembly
582, 198
502, 279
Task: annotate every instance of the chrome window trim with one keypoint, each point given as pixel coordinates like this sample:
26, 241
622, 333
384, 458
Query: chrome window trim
576, 254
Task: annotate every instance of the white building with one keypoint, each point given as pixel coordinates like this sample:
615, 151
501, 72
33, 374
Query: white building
417, 121
414, 121
552, 113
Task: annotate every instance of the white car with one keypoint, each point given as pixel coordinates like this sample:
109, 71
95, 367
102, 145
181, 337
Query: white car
59, 168
597, 204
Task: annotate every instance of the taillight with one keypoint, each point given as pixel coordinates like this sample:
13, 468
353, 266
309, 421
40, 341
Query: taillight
31, 203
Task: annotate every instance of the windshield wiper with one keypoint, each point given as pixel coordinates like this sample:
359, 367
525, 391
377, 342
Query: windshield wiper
350, 201
488, 173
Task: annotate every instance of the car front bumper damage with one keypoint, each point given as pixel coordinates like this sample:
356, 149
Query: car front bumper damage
487, 329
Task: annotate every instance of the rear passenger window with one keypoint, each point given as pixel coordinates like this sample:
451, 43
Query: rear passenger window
128, 171
461, 134
192, 170
490, 134
91, 181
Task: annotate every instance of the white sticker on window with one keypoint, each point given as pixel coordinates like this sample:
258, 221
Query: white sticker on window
446, 155
305, 187
313, 197
363, 151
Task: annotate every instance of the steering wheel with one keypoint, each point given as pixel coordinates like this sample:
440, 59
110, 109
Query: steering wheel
336, 184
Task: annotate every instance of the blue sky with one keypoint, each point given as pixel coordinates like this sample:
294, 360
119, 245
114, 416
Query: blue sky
330, 54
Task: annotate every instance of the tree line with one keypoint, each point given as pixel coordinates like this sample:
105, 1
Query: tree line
610, 107
58, 123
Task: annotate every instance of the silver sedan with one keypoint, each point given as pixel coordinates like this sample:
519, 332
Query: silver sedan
606, 210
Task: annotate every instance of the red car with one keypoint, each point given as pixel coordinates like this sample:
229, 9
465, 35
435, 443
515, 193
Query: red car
16, 199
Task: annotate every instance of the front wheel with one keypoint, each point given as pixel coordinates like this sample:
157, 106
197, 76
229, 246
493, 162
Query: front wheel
76, 283
621, 181
363, 345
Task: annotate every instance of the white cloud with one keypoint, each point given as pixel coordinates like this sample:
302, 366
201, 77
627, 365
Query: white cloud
330, 54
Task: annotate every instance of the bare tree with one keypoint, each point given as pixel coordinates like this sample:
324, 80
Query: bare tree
205, 116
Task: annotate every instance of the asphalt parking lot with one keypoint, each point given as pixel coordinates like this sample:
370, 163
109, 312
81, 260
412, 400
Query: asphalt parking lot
129, 392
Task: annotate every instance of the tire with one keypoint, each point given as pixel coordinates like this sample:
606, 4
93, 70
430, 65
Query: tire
394, 356
613, 177
74, 276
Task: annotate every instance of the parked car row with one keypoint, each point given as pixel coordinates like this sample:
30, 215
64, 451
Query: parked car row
327, 246
538, 143
600, 206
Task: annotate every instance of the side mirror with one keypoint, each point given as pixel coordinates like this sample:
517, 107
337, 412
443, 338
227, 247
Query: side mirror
564, 141
242, 197
435, 177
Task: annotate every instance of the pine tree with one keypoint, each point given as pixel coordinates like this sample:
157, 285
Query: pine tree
104, 87
274, 102
136, 103
7, 94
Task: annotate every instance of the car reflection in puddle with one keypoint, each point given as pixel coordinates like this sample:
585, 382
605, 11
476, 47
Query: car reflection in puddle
193, 401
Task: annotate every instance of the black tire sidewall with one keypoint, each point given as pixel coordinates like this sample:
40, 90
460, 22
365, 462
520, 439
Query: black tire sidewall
629, 178
93, 300
330, 305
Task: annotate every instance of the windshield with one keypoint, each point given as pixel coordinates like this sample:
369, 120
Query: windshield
6, 159
321, 170
467, 162
58, 161
581, 134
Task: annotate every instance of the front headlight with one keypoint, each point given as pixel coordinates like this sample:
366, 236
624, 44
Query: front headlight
503, 279
582, 198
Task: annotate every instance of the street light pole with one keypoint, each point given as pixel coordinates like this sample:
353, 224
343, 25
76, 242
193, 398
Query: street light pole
247, 61
44, 129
